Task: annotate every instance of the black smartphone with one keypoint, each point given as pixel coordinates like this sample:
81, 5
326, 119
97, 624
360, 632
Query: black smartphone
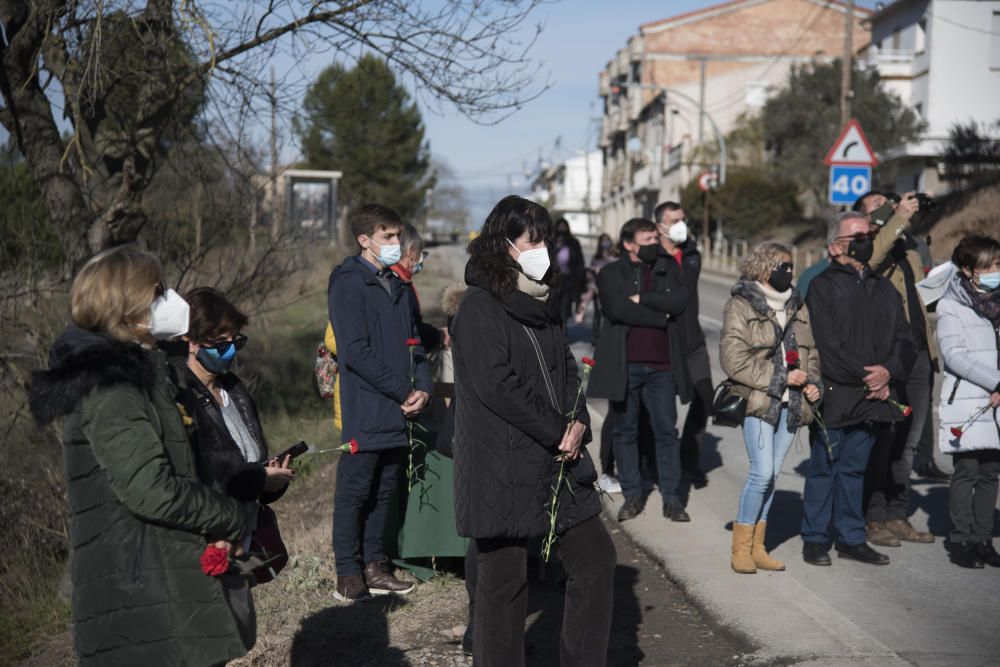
297, 449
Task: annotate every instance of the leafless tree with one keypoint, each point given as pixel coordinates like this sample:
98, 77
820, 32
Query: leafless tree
119, 74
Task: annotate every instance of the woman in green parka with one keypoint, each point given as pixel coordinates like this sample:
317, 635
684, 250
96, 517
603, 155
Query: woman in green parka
139, 517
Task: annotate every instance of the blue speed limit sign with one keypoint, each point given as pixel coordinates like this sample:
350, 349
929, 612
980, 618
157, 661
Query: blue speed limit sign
848, 182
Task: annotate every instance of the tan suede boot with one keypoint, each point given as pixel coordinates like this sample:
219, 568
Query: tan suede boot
760, 556
742, 544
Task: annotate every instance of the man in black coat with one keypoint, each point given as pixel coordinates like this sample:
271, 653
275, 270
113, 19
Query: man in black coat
638, 352
673, 230
865, 348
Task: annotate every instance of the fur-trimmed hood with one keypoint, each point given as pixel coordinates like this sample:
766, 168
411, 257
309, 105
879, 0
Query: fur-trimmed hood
451, 297
79, 361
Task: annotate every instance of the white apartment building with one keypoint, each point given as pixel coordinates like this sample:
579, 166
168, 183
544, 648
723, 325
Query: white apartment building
572, 190
942, 57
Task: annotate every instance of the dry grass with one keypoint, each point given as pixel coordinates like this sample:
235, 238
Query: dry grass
980, 214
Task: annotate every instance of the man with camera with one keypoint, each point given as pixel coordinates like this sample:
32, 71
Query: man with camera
896, 257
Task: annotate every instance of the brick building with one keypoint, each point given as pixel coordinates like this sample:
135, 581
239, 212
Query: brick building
725, 59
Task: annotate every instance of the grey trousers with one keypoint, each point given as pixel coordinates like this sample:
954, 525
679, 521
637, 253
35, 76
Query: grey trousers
972, 495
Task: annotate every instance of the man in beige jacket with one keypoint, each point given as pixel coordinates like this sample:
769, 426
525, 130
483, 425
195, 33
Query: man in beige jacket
887, 481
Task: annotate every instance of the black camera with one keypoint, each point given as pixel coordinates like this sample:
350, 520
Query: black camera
925, 202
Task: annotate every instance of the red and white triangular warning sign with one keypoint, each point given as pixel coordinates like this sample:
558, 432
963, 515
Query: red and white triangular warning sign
851, 147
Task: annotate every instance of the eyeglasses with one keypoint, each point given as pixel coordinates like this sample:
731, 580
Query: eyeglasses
859, 237
222, 346
784, 267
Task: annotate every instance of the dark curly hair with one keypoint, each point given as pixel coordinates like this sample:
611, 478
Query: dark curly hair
489, 253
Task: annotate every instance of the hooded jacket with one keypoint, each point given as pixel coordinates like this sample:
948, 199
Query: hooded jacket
372, 325
506, 429
969, 348
858, 321
750, 355
139, 517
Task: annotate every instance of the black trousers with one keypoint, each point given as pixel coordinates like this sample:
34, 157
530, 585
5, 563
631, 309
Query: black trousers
501, 606
694, 427
881, 496
972, 495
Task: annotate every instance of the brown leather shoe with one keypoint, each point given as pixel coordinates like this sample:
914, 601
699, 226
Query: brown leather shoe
351, 589
380, 580
902, 529
881, 536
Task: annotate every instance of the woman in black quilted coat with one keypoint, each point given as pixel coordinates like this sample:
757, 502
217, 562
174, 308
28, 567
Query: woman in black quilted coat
516, 382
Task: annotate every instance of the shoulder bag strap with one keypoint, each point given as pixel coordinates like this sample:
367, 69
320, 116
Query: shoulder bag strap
541, 365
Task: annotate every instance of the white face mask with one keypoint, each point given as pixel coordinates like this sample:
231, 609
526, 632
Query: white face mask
678, 232
534, 263
169, 316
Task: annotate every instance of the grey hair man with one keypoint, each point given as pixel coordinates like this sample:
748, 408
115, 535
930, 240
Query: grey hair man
865, 349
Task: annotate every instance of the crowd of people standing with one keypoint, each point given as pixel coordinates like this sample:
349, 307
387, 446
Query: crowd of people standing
165, 452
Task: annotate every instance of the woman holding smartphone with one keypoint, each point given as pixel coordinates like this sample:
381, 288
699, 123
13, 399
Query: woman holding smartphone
224, 429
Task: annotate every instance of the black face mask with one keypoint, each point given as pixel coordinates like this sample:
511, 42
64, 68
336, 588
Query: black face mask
647, 253
861, 251
780, 279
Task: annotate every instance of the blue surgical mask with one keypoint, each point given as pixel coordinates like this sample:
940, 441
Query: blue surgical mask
989, 281
216, 363
388, 254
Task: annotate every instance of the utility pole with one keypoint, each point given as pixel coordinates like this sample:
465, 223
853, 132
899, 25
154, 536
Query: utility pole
847, 65
276, 211
701, 101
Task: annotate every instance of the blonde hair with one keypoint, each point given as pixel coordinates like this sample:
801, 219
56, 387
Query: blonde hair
760, 261
114, 291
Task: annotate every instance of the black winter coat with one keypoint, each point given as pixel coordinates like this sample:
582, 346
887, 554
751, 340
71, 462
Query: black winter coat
694, 337
219, 459
506, 430
659, 307
858, 322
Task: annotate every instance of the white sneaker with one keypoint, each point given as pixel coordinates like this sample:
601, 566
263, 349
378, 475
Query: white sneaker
609, 484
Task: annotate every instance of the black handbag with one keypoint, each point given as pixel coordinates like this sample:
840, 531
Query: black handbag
728, 407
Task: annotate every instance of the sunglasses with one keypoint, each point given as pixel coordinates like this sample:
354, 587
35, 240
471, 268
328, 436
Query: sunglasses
159, 291
859, 237
222, 346
784, 267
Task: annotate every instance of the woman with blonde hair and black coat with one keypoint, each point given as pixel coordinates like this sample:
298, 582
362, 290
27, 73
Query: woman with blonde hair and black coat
768, 351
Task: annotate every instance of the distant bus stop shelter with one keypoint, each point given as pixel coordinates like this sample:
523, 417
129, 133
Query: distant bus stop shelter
311, 202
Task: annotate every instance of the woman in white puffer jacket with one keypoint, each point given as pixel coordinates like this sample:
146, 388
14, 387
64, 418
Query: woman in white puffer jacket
968, 334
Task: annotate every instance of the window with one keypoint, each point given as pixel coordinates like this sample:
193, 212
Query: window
921, 41
896, 39
995, 41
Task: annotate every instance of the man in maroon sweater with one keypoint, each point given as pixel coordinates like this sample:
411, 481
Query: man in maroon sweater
641, 294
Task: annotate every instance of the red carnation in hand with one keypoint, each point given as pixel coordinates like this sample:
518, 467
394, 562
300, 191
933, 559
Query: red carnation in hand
956, 431
792, 358
351, 447
907, 411
412, 342
587, 361
214, 561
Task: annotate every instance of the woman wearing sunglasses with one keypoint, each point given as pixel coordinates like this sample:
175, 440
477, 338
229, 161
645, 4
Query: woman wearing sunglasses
224, 427
768, 351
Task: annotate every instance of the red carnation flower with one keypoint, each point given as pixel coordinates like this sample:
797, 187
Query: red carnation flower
214, 561
589, 362
351, 447
956, 431
907, 411
412, 342
792, 358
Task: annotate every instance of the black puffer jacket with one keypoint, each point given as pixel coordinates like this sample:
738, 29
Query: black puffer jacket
858, 321
506, 430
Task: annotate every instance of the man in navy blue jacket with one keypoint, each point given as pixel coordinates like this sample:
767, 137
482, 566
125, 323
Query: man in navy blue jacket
373, 321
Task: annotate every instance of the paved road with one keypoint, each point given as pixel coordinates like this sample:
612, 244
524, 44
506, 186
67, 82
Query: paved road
918, 610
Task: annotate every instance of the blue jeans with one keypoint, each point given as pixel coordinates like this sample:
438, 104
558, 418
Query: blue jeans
834, 489
655, 389
365, 483
766, 447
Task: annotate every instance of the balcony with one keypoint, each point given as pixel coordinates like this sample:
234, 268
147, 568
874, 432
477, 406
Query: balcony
893, 63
